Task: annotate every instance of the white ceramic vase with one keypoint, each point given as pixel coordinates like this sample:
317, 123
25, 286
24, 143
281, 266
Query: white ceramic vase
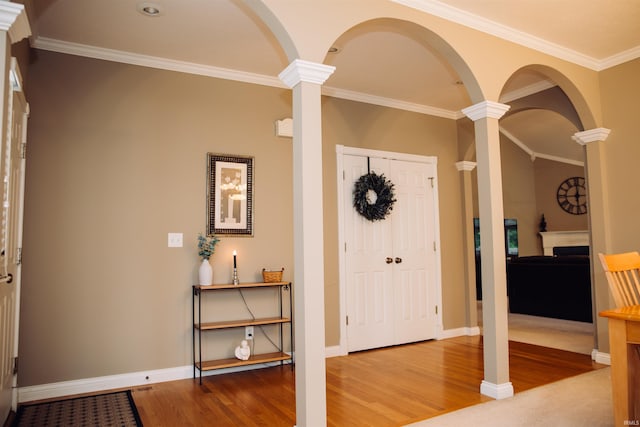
205, 273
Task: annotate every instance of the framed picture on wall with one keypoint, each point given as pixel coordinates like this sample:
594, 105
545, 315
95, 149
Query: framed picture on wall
229, 195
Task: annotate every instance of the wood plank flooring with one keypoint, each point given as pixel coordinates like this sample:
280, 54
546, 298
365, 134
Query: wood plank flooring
385, 387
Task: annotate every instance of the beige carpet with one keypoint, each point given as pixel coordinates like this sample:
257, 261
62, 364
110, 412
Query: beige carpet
583, 400
553, 333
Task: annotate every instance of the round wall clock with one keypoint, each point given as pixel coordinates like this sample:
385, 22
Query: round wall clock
572, 195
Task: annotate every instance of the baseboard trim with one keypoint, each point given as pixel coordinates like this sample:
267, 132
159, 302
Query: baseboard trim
600, 357
111, 382
334, 351
459, 332
497, 391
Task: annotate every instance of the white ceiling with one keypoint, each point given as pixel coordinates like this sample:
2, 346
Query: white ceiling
222, 38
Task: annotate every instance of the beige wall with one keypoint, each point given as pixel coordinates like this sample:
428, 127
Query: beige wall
548, 176
367, 126
116, 160
620, 96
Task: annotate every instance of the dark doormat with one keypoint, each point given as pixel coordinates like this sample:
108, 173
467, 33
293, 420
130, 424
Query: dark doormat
111, 409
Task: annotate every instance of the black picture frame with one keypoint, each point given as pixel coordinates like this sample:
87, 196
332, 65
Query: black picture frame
229, 195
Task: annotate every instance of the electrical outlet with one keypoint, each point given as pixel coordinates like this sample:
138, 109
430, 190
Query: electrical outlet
248, 332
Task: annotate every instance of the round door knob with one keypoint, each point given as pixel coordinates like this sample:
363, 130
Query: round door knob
389, 260
398, 260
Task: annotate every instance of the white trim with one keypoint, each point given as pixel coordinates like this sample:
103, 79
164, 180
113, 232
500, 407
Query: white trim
87, 51
526, 91
341, 151
391, 103
599, 357
13, 20
154, 62
533, 155
459, 16
591, 135
334, 351
497, 391
465, 165
305, 71
131, 379
486, 109
619, 58
466, 331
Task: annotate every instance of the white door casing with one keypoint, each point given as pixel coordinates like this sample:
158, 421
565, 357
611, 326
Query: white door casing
393, 303
12, 167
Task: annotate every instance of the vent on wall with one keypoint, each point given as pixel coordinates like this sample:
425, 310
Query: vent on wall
284, 128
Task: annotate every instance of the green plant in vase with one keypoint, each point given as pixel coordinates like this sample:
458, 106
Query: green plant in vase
206, 248
207, 245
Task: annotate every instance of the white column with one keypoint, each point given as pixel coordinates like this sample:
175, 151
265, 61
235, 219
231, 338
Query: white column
306, 79
599, 223
470, 256
496, 382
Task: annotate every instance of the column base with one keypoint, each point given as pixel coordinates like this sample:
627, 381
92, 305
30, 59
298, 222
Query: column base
497, 391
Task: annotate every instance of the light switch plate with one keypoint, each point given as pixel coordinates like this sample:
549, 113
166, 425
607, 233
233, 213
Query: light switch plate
175, 240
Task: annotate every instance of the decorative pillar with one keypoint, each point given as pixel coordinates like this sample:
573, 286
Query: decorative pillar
306, 79
485, 116
599, 223
469, 254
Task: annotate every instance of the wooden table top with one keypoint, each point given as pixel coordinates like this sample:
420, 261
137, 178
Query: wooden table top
631, 313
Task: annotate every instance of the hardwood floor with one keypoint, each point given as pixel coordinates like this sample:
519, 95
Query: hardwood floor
384, 387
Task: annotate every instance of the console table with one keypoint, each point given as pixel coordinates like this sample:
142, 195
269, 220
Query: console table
199, 326
624, 340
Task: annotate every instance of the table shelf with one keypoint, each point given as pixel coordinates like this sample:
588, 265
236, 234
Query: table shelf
200, 364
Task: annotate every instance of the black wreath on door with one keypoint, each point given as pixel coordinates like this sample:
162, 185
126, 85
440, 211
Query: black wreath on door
373, 196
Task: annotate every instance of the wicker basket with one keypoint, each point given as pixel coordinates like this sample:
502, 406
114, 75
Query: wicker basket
270, 276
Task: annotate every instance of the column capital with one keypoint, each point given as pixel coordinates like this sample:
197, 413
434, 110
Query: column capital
305, 71
465, 166
13, 20
591, 135
486, 109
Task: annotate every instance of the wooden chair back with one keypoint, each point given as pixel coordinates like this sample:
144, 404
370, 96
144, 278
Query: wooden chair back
623, 274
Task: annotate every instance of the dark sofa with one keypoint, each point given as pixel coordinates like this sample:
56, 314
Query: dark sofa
550, 286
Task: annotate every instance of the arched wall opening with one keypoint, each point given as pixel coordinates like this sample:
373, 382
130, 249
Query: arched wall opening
380, 121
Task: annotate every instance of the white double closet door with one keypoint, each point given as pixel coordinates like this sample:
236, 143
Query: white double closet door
391, 266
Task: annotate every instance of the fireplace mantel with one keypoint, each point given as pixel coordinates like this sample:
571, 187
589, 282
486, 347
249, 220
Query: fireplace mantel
551, 239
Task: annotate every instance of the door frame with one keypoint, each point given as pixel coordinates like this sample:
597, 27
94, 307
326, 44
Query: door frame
341, 151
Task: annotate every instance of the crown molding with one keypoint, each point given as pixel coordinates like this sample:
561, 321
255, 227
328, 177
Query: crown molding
533, 155
13, 19
453, 14
526, 91
390, 102
620, 58
154, 62
88, 51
